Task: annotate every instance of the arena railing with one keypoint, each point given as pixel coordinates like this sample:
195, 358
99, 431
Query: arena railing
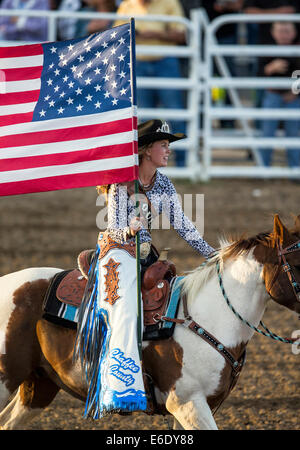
246, 141
190, 83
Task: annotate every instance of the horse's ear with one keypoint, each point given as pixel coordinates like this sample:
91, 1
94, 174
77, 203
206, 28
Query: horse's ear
279, 230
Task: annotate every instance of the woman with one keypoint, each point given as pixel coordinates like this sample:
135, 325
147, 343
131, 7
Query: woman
154, 138
113, 368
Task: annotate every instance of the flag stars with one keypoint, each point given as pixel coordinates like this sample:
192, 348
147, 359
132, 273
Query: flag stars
85, 77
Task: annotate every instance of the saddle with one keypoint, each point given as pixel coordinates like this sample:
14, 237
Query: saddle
155, 285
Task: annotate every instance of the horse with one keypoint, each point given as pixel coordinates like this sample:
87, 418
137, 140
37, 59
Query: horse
193, 371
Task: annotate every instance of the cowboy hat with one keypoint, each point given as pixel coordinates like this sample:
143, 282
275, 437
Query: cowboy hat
156, 130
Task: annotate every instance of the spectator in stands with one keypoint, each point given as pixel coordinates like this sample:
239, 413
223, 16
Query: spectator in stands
31, 29
67, 26
158, 33
269, 7
283, 33
85, 27
98, 25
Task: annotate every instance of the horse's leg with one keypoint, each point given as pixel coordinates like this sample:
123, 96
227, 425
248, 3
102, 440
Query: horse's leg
193, 414
34, 394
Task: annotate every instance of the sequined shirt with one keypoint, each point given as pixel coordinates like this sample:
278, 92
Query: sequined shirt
163, 198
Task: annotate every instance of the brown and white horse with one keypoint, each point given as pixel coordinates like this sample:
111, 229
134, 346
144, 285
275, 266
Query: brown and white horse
191, 378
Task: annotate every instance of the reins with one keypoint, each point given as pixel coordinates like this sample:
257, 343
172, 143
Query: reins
267, 332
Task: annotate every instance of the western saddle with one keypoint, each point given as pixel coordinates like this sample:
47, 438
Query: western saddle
155, 284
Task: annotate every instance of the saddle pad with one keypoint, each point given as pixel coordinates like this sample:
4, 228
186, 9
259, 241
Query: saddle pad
54, 310
67, 315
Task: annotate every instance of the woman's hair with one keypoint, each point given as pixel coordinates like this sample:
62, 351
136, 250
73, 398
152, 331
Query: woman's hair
103, 190
142, 151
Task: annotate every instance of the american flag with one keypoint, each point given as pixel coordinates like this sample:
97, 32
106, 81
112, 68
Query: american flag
67, 118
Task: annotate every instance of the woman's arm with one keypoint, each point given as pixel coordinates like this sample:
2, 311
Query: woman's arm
181, 223
120, 212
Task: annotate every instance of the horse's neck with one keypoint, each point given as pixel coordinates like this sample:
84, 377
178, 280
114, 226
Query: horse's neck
244, 288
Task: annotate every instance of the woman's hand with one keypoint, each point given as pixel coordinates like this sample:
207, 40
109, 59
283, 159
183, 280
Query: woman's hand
135, 225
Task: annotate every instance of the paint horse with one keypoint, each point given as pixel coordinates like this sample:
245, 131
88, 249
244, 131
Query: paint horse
193, 371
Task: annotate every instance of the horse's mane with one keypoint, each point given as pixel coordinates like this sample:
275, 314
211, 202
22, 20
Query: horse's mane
228, 249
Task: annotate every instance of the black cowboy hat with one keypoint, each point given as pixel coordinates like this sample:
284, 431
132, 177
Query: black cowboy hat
156, 130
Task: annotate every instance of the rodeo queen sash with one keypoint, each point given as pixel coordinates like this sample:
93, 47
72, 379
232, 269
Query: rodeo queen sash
107, 332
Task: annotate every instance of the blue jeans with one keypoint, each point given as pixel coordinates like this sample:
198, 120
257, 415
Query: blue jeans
165, 98
269, 127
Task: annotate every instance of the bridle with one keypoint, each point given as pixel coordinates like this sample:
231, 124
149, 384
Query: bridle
286, 267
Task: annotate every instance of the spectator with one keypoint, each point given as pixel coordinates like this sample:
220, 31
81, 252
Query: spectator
269, 7
67, 26
85, 27
283, 33
98, 25
31, 29
158, 33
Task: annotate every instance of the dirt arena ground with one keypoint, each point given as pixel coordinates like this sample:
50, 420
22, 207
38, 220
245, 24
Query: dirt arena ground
50, 229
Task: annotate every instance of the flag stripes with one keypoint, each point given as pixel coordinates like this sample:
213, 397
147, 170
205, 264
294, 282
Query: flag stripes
66, 114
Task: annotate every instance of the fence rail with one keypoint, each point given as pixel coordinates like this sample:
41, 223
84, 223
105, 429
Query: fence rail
198, 83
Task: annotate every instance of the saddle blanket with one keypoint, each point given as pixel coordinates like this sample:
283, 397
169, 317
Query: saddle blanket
67, 315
